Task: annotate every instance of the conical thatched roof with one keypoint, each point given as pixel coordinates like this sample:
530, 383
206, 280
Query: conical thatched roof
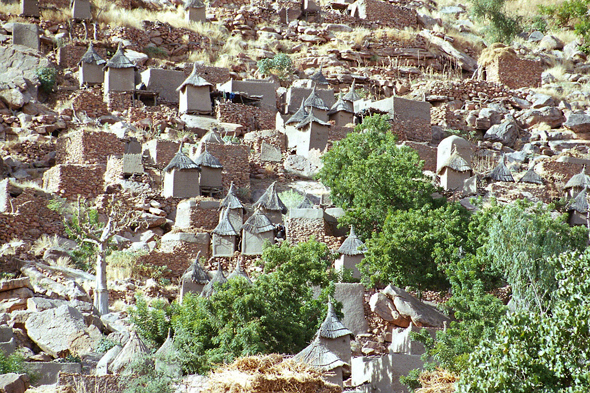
319, 77
310, 118
92, 57
131, 351
194, 80
578, 180
351, 96
212, 136
199, 275
501, 172
306, 203
208, 160
314, 101
218, 277
531, 177
455, 162
258, 223
231, 201
299, 116
318, 356
180, 161
239, 271
270, 200
332, 327
193, 4
119, 60
341, 106
352, 245
579, 203
224, 227
167, 357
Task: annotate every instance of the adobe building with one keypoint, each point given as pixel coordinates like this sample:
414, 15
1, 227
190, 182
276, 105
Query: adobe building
195, 94
300, 92
335, 336
224, 237
578, 183
218, 278
314, 103
352, 252
452, 144
193, 280
181, 177
210, 180
289, 127
264, 88
29, 8
91, 68
271, 205
454, 172
312, 134
341, 113
164, 82
500, 63
195, 11
119, 73
26, 34
81, 10
234, 208
318, 356
318, 77
352, 95
239, 271
385, 13
256, 231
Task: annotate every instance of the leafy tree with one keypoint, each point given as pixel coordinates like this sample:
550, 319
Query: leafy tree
499, 26
152, 320
369, 175
415, 246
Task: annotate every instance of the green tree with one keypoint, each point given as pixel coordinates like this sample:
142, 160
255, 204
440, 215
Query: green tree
499, 27
415, 246
280, 65
369, 175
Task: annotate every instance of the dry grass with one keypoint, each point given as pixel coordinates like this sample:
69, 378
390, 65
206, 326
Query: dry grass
10, 8
527, 8
438, 381
44, 243
60, 16
266, 374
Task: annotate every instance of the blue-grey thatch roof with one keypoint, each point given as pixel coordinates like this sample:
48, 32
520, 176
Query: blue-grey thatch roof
239, 272
317, 355
299, 116
579, 203
314, 101
212, 136
194, 80
352, 245
578, 180
224, 227
531, 177
92, 57
319, 78
455, 162
181, 161
193, 4
199, 275
341, 106
306, 203
270, 200
208, 160
218, 278
258, 223
231, 201
310, 118
119, 60
501, 172
332, 327
351, 96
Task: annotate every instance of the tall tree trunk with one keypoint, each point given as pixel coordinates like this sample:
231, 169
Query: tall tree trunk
101, 294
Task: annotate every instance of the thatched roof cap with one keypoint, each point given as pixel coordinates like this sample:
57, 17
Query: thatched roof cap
239, 272
92, 57
218, 277
224, 227
299, 116
131, 351
194, 80
310, 118
341, 106
501, 172
319, 78
318, 356
332, 327
119, 60
531, 177
270, 200
208, 160
578, 180
193, 4
231, 201
579, 203
455, 162
199, 275
212, 136
314, 101
181, 161
258, 223
352, 245
351, 96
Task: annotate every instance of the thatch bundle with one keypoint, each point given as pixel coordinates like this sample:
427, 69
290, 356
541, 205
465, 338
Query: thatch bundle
270, 373
437, 381
494, 52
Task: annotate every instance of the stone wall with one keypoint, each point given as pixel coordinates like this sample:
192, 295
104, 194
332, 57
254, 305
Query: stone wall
73, 180
89, 101
213, 75
426, 153
301, 229
251, 117
89, 383
120, 101
515, 73
418, 130
388, 14
68, 56
177, 256
236, 165
88, 147
200, 213
337, 133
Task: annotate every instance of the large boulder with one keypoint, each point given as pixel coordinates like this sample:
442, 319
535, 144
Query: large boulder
578, 123
506, 133
421, 314
549, 114
14, 383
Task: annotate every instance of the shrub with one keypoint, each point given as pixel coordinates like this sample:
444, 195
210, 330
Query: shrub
141, 377
280, 65
46, 76
14, 363
499, 26
152, 320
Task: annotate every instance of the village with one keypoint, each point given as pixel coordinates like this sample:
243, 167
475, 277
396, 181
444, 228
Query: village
180, 173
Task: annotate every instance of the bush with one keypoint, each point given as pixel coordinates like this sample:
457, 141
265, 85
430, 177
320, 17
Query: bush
499, 26
152, 320
141, 377
14, 363
46, 76
280, 65
571, 13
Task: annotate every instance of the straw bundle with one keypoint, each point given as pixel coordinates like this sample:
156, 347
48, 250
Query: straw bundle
494, 52
266, 374
438, 381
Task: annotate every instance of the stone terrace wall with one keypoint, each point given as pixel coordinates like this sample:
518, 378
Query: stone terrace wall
236, 165
73, 180
213, 75
28, 217
389, 14
89, 383
121, 101
515, 73
90, 101
418, 130
301, 229
426, 153
86, 147
177, 257
251, 117
69, 56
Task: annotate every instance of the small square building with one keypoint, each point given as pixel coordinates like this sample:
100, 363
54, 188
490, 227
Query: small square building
181, 177
195, 94
119, 73
91, 68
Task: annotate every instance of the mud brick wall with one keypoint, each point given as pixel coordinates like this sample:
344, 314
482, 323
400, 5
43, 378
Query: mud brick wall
301, 229
203, 220
90, 383
213, 75
177, 257
251, 117
255, 139
337, 133
73, 180
417, 130
90, 101
470, 89
28, 217
114, 170
426, 153
69, 56
390, 15
236, 166
121, 101
88, 147
515, 73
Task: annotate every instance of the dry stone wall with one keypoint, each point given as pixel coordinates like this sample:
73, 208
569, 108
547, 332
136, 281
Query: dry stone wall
515, 73
89, 101
251, 117
236, 165
73, 180
87, 147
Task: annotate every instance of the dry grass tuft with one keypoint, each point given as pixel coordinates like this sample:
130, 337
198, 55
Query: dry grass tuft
10, 8
269, 373
438, 381
44, 243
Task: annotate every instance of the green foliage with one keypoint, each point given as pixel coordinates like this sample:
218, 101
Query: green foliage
539, 24
14, 363
104, 345
499, 26
155, 51
142, 377
369, 175
280, 65
415, 246
130, 265
152, 320
46, 76
571, 13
